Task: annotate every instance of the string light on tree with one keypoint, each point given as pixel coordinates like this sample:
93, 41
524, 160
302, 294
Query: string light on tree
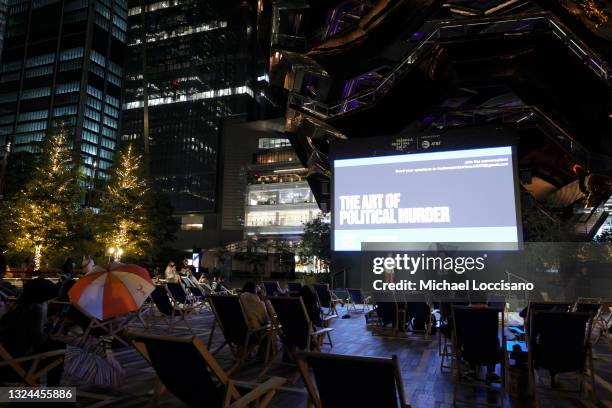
40, 216
124, 208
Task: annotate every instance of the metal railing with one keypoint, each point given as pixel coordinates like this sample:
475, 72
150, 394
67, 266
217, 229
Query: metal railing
536, 22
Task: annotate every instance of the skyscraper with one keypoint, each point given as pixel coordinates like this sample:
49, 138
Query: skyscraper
190, 63
62, 64
3, 10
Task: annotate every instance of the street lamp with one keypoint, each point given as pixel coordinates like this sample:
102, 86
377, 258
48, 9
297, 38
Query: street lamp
111, 252
115, 253
118, 254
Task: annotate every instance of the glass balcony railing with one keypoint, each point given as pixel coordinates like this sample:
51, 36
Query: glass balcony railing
540, 22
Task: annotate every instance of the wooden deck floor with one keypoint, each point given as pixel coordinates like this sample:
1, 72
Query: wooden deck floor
425, 385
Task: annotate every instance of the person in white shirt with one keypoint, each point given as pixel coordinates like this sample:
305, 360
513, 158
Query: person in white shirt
170, 274
87, 264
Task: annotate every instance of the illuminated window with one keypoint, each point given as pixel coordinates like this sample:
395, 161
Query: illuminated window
192, 222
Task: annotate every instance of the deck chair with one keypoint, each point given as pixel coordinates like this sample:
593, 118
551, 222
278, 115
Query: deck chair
297, 331
29, 369
603, 325
327, 299
272, 288
179, 294
419, 317
390, 315
356, 297
446, 330
374, 379
171, 311
476, 342
594, 307
559, 342
239, 336
190, 372
294, 288
94, 327
196, 293
542, 306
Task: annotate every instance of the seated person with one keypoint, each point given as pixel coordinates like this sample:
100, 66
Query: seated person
254, 307
7, 288
170, 273
23, 330
311, 301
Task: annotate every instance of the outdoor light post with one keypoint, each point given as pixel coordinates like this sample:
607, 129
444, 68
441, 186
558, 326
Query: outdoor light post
115, 253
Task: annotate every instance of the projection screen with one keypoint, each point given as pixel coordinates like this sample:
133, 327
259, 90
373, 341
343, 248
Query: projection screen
443, 196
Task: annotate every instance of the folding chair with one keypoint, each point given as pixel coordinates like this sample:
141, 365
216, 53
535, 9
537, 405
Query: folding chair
94, 327
190, 372
389, 314
560, 342
273, 288
326, 298
179, 294
196, 293
542, 306
239, 336
171, 311
604, 325
28, 369
370, 381
594, 307
297, 331
476, 342
445, 332
294, 288
356, 297
419, 317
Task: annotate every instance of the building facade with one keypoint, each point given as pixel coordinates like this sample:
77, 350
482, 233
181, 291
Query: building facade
278, 200
3, 10
62, 64
190, 63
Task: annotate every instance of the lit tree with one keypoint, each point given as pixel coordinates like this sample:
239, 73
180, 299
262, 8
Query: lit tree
39, 217
124, 224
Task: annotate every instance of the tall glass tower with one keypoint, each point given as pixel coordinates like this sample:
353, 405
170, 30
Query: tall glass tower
190, 63
62, 64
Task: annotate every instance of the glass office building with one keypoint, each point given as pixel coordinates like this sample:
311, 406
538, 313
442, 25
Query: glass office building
190, 63
3, 9
278, 198
62, 65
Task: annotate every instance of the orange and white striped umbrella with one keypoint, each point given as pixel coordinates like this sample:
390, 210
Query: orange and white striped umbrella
112, 290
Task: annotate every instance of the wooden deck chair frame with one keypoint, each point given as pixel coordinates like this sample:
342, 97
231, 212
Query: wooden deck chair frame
587, 375
333, 300
240, 353
398, 325
183, 309
351, 302
505, 364
315, 337
31, 375
604, 325
445, 345
600, 324
113, 327
199, 305
313, 394
259, 397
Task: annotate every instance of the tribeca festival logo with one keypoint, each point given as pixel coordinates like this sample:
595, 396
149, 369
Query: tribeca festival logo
387, 266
